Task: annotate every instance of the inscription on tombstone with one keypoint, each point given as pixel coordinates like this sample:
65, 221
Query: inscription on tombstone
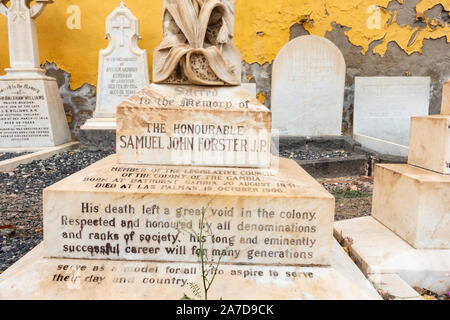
22, 117
308, 88
188, 125
123, 67
430, 143
383, 110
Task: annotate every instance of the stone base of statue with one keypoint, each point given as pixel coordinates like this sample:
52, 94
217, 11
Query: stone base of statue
31, 111
99, 132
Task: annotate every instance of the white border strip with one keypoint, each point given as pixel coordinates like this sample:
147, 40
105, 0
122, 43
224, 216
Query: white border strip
11, 164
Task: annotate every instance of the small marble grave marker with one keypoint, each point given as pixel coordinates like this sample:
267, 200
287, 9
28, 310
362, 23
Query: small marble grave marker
123, 67
308, 82
383, 110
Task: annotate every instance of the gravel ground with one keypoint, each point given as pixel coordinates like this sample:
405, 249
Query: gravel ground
298, 154
21, 200
10, 155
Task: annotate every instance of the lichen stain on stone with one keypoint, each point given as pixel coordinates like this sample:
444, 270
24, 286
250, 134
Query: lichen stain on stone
274, 18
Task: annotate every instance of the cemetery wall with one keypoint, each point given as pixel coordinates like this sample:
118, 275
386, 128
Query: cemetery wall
377, 38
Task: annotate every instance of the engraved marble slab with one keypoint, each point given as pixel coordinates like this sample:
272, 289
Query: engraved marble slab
308, 88
194, 125
383, 110
154, 213
31, 113
123, 66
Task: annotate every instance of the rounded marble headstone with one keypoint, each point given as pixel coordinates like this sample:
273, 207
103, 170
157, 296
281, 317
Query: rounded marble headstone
308, 80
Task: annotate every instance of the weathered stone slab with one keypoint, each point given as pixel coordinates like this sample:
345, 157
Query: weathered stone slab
446, 99
378, 251
308, 80
430, 143
383, 110
123, 66
31, 113
132, 212
414, 203
395, 286
193, 125
35, 277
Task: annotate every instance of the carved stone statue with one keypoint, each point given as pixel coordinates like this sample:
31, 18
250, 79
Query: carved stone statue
23, 45
197, 46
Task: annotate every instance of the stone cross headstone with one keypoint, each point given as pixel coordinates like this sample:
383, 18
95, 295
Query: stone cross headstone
446, 99
123, 66
31, 110
308, 80
383, 110
23, 45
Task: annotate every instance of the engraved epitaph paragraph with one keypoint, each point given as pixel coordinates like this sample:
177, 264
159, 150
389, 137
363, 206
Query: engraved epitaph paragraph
31, 110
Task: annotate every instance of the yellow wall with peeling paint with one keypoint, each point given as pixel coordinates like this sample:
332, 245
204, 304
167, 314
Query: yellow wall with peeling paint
262, 28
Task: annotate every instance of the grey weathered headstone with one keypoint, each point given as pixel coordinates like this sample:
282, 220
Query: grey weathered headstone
383, 110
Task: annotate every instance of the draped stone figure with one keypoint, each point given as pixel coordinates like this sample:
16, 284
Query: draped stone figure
197, 46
